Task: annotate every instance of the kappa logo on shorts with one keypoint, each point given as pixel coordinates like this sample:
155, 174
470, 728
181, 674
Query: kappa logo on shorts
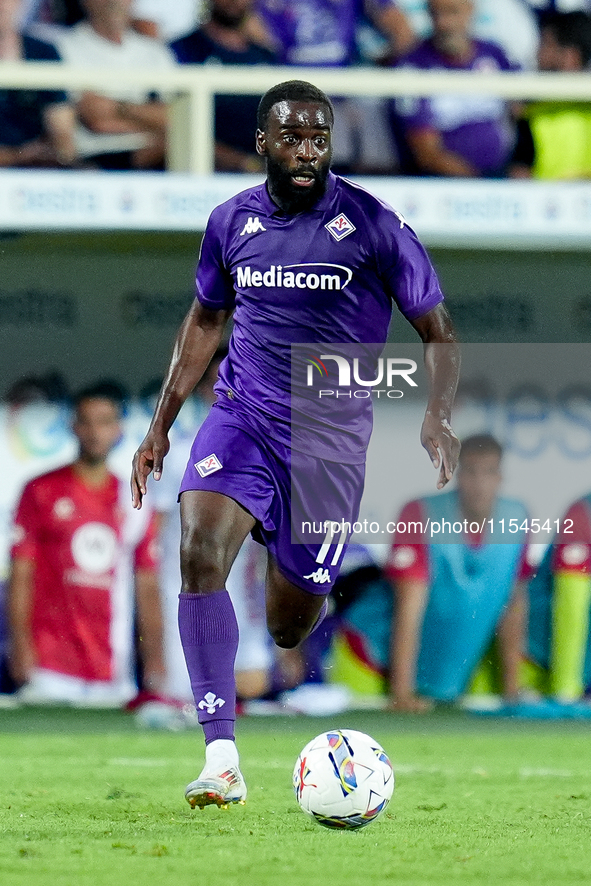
208, 465
340, 227
320, 577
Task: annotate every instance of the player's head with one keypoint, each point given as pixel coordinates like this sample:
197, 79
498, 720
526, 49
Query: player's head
452, 21
565, 42
294, 135
97, 421
479, 475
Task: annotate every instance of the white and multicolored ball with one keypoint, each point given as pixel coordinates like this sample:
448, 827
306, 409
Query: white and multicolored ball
343, 779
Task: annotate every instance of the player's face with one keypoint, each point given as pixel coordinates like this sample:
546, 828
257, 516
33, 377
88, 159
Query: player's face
97, 428
479, 478
297, 146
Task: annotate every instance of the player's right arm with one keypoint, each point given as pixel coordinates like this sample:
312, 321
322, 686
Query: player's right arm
196, 342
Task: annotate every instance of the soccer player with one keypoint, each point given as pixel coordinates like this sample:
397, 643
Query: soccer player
302, 219
77, 543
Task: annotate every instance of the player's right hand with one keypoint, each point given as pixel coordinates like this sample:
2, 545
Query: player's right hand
149, 457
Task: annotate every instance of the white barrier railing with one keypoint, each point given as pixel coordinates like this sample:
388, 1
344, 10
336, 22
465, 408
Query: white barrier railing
191, 89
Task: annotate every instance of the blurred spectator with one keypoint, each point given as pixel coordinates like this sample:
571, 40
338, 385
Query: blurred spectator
166, 21
511, 24
48, 388
36, 126
464, 136
323, 32
560, 608
450, 598
77, 544
555, 137
223, 39
125, 126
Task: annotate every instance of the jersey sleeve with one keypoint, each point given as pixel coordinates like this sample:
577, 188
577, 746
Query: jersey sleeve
147, 550
406, 269
409, 555
26, 526
213, 281
572, 548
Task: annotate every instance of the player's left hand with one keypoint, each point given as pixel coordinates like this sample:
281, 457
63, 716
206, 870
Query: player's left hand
443, 446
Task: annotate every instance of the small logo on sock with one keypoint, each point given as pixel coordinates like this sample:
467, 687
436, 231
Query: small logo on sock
210, 703
208, 465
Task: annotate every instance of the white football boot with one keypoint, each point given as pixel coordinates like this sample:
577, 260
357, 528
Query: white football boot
221, 781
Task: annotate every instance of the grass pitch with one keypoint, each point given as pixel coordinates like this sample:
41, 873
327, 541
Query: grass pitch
86, 798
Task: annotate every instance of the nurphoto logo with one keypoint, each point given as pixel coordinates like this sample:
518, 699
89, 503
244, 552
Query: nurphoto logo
389, 371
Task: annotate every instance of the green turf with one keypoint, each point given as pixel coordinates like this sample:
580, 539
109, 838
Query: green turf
86, 798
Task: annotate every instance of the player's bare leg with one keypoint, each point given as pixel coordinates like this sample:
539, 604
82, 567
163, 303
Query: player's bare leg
292, 613
213, 530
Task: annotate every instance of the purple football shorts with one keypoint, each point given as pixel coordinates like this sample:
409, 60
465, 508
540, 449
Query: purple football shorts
304, 506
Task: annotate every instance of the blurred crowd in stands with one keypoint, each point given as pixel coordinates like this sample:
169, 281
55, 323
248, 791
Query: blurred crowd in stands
89, 588
124, 127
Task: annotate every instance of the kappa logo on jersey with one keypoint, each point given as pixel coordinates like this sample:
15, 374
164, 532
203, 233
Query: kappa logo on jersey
209, 703
208, 465
320, 577
252, 226
340, 227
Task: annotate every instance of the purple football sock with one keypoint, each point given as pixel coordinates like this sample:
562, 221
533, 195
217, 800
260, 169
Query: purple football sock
209, 635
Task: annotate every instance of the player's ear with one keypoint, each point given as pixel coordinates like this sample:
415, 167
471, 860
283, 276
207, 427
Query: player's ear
261, 143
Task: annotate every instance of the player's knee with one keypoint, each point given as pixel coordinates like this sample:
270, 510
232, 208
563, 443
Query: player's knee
202, 560
287, 636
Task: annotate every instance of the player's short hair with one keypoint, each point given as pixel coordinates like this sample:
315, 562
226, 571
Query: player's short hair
481, 444
106, 389
291, 91
571, 29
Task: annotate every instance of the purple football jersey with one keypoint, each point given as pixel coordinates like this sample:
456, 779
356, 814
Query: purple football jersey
324, 276
476, 127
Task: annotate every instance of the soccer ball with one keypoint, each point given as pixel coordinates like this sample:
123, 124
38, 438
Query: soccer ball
343, 779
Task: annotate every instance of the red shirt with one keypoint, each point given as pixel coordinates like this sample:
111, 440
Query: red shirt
81, 542
409, 555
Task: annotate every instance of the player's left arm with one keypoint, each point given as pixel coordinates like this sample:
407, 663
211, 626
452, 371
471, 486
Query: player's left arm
510, 640
442, 362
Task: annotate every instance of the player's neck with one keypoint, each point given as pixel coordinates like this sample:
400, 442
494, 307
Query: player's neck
91, 473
